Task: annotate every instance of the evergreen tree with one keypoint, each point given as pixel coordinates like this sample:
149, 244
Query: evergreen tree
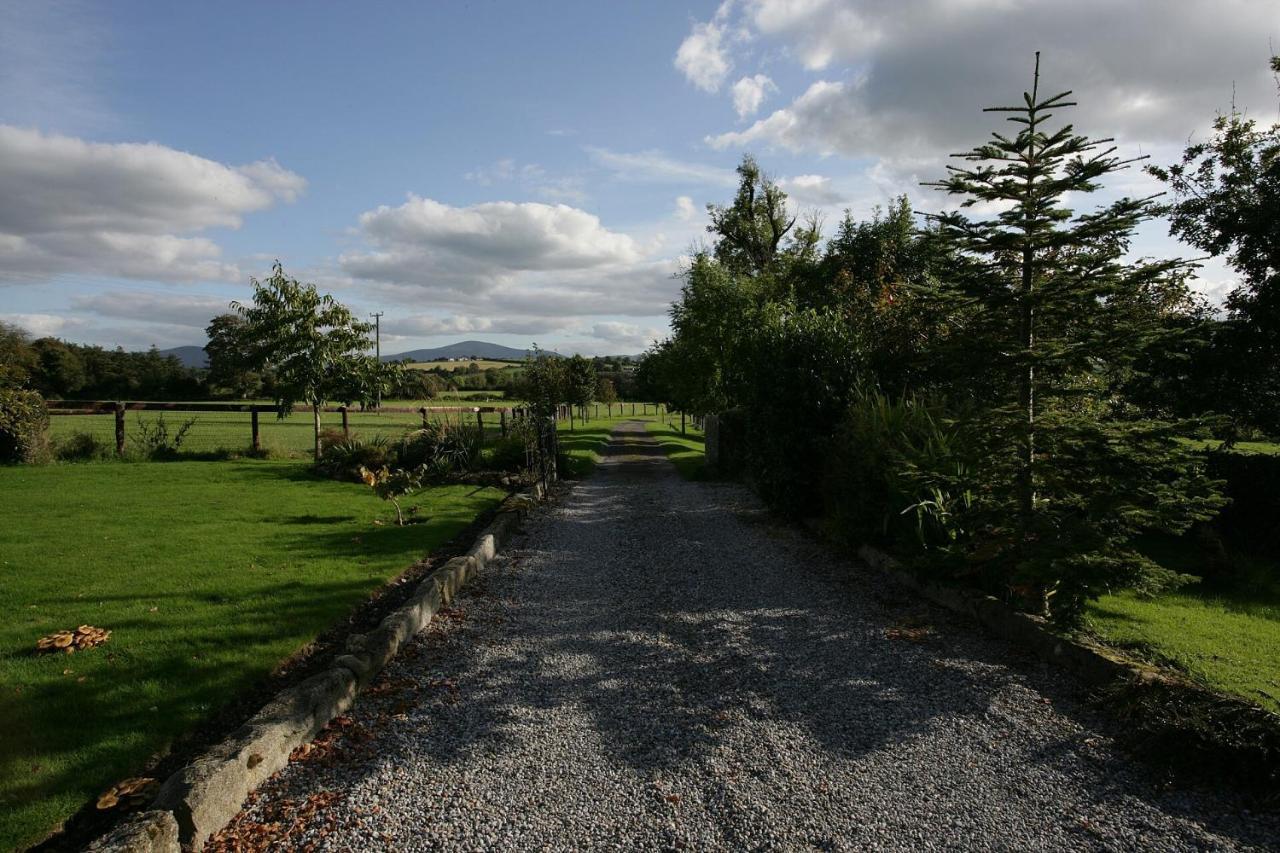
1058, 317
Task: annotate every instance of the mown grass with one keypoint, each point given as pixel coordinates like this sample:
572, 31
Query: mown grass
1223, 633
231, 432
583, 446
686, 451
208, 575
1269, 448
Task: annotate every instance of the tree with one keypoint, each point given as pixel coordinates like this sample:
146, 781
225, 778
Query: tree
17, 359
1226, 201
316, 347
230, 355
580, 384
542, 383
1060, 315
61, 371
606, 392
753, 227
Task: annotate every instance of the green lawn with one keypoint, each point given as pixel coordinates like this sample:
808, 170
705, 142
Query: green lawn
209, 574
685, 451
584, 445
1269, 448
1226, 635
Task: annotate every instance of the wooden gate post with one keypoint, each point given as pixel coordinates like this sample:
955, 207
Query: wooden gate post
257, 439
119, 429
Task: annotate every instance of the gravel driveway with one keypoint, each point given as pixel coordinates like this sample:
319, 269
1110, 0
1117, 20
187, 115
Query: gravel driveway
657, 665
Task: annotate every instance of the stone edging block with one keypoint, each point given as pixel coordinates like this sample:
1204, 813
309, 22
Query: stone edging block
201, 798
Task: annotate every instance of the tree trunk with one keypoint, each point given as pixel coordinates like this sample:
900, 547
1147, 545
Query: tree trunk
315, 413
570, 417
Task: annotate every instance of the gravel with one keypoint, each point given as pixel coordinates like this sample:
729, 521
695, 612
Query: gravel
656, 665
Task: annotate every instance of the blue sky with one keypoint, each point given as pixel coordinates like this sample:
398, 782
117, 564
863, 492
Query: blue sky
520, 172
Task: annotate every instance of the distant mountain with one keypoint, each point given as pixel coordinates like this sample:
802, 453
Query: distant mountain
467, 349
189, 356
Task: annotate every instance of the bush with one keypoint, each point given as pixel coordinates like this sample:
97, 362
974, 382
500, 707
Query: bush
24, 426
443, 447
83, 447
342, 458
1251, 484
153, 439
511, 452
899, 474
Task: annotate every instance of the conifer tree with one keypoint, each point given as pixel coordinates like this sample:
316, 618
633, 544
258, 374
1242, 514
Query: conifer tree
1055, 316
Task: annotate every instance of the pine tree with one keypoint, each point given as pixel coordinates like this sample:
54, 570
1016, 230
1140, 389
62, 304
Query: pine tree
1056, 318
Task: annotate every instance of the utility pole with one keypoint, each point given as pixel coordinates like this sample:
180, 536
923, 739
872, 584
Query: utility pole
377, 349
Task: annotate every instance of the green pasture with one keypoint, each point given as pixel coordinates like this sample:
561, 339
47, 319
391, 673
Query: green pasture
209, 574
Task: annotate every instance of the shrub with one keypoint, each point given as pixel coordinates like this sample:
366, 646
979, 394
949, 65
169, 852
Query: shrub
1251, 481
899, 473
24, 426
442, 447
510, 453
343, 458
82, 446
153, 439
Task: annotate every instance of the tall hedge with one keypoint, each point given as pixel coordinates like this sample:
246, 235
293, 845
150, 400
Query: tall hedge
1253, 485
24, 426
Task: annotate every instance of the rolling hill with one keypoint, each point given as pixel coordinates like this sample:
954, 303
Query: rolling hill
466, 349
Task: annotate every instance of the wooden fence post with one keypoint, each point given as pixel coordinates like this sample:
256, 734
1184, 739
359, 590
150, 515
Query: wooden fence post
682, 423
423, 410
502, 422
120, 429
346, 425
257, 439
480, 422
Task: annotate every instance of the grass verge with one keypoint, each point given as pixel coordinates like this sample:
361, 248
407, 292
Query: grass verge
208, 574
684, 450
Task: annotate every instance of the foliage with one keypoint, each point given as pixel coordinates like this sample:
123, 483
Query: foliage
441, 448
543, 383
81, 446
17, 360
580, 381
1251, 485
342, 458
1062, 318
606, 392
753, 227
1226, 201
315, 346
393, 484
24, 426
229, 351
153, 439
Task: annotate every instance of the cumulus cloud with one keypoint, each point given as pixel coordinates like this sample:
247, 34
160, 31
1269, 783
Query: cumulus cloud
702, 56
656, 167
749, 93
430, 324
811, 189
685, 208
44, 325
910, 78
122, 209
625, 336
175, 309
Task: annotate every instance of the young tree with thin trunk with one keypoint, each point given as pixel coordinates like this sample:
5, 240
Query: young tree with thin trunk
1056, 315
315, 346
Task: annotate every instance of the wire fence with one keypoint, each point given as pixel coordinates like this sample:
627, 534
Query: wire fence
222, 429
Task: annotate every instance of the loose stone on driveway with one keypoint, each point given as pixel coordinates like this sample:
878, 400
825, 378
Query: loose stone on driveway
657, 665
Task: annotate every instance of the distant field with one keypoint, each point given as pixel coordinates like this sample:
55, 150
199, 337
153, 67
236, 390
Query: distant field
231, 431
478, 364
1270, 448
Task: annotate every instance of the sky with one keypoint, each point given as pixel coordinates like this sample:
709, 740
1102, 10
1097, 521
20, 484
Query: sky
529, 172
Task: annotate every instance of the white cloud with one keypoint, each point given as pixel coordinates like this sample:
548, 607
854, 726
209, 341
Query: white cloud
685, 208
657, 167
426, 243
175, 309
43, 325
749, 93
122, 209
910, 78
702, 57
625, 336
811, 189
430, 324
